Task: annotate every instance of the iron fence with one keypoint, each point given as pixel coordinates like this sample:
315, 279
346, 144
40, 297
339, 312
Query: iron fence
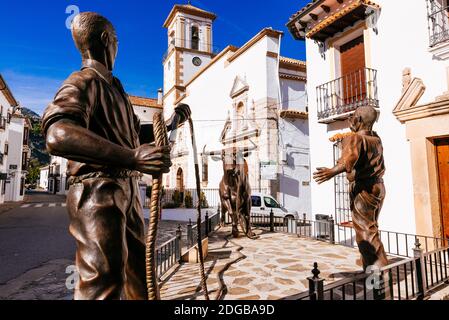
211, 198
395, 243
208, 226
170, 253
409, 279
347, 93
438, 21
418, 271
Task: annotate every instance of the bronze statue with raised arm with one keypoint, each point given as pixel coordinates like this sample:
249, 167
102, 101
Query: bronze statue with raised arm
91, 122
362, 160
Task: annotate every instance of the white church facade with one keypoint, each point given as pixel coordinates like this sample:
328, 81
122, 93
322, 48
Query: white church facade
239, 97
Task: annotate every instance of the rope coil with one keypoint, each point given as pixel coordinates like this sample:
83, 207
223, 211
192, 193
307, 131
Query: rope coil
161, 139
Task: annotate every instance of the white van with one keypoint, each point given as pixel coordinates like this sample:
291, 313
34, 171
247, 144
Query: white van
262, 204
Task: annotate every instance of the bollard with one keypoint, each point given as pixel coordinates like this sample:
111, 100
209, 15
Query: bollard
179, 237
222, 218
332, 230
190, 234
418, 254
316, 284
271, 221
206, 222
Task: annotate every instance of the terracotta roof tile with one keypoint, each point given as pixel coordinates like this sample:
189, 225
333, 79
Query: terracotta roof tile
294, 114
303, 9
293, 61
144, 102
189, 9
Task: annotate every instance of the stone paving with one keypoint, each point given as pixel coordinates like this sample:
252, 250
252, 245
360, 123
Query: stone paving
269, 268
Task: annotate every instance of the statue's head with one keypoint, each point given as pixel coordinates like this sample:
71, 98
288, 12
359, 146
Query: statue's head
363, 119
95, 37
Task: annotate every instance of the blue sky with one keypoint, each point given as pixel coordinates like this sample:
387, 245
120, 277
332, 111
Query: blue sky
37, 52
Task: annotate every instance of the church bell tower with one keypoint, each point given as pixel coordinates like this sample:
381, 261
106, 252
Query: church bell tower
190, 48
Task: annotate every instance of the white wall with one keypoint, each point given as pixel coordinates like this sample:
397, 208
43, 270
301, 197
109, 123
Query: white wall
169, 72
208, 96
43, 178
145, 114
62, 164
189, 69
5, 106
211, 104
295, 171
15, 139
293, 95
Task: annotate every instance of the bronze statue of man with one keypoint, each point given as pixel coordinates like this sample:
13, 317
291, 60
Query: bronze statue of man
362, 160
91, 122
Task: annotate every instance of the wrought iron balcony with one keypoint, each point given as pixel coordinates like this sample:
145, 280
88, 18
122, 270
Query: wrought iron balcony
337, 99
438, 18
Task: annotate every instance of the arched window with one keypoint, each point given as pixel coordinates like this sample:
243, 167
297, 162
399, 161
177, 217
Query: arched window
195, 38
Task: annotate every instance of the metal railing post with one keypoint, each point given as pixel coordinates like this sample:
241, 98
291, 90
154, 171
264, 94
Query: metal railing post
190, 233
271, 221
332, 230
206, 222
418, 254
179, 242
221, 216
316, 284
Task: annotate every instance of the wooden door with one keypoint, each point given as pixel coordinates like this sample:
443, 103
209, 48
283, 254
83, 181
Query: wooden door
352, 60
443, 175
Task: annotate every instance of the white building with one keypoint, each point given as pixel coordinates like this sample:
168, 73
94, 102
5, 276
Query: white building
14, 149
57, 176
238, 96
7, 103
18, 156
43, 178
381, 53
145, 108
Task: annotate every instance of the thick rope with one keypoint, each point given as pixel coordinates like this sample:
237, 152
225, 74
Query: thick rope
160, 134
198, 190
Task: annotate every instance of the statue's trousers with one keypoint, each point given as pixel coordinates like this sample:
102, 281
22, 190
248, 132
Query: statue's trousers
366, 202
107, 222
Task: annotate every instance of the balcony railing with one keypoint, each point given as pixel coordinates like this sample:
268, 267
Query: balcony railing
438, 18
337, 99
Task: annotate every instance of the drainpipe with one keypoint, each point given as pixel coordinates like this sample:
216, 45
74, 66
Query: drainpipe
279, 145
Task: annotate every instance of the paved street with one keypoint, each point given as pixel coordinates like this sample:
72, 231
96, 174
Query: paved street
36, 248
33, 235
35, 243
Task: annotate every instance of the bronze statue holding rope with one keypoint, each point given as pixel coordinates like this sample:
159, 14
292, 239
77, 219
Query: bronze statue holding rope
91, 122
